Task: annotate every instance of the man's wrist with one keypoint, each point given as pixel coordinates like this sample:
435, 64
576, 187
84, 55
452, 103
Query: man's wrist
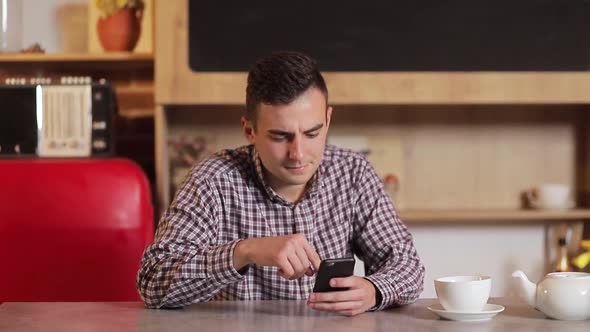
219, 264
377, 296
241, 256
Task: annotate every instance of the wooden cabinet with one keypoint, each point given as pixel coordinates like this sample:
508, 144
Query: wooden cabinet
465, 144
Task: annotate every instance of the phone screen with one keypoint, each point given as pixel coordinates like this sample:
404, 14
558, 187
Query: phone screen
333, 268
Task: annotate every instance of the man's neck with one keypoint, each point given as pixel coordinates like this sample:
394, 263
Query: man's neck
290, 193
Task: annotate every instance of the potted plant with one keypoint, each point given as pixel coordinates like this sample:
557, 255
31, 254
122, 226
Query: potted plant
185, 152
119, 24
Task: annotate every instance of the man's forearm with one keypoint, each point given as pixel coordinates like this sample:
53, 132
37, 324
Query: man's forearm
241, 255
156, 297
167, 280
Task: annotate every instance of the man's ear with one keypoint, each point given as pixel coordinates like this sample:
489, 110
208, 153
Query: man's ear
248, 129
328, 116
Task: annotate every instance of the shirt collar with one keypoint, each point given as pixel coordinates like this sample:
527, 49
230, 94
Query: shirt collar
313, 186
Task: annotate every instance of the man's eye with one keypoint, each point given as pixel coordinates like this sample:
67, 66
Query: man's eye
312, 135
277, 138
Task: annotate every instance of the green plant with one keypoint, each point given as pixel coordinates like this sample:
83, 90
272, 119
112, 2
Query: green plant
109, 7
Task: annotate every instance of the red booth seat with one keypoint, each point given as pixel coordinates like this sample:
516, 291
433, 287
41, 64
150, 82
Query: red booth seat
72, 230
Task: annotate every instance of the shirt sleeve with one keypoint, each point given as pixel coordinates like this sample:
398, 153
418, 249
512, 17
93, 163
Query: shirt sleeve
385, 245
182, 266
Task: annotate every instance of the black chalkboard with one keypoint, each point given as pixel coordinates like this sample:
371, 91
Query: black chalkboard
390, 35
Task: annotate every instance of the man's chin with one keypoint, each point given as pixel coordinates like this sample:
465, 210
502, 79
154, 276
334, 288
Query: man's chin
296, 179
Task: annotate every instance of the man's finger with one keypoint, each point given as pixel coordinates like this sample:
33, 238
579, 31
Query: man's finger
337, 306
337, 296
303, 259
348, 282
351, 312
312, 255
298, 267
285, 268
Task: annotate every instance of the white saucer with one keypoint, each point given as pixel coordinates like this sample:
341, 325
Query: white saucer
568, 205
489, 311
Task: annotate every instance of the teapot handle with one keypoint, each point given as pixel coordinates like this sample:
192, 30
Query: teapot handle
532, 197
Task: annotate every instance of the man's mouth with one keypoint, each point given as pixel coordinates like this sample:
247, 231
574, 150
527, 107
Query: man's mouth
295, 167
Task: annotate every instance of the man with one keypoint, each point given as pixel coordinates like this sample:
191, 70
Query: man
255, 222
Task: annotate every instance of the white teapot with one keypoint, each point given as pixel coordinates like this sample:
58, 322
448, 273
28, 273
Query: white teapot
560, 295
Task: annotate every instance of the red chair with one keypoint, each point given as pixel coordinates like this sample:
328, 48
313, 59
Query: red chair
72, 230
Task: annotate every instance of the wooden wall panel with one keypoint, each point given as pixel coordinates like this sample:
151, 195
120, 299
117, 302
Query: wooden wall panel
177, 84
469, 157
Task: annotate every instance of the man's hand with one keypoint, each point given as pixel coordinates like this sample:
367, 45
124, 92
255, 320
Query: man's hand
291, 253
359, 298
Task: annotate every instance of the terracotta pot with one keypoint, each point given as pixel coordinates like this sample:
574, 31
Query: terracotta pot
120, 31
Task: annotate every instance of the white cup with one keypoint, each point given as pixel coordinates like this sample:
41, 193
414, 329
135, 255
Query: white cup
550, 196
463, 293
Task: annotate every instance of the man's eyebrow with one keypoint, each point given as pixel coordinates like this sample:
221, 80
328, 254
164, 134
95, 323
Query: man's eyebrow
314, 128
279, 132
287, 133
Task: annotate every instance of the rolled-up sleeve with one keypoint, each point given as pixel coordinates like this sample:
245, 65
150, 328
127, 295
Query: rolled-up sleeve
182, 266
384, 243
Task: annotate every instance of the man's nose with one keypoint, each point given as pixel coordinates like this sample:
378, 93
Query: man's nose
295, 152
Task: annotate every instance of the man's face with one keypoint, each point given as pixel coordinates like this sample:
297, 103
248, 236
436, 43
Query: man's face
290, 139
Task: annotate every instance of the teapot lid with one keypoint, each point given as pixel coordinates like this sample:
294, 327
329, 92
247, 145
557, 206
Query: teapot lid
568, 275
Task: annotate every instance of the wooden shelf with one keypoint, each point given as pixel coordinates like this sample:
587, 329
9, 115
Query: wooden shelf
77, 57
136, 112
380, 88
492, 216
135, 89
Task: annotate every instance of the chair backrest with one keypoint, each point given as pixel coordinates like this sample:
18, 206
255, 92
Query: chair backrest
72, 230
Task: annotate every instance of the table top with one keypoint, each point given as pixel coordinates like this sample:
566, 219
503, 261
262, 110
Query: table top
262, 316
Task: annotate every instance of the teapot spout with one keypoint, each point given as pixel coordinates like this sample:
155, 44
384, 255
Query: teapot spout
526, 289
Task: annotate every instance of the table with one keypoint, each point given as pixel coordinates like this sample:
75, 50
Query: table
262, 316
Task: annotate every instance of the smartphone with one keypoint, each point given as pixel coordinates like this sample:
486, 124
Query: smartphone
332, 268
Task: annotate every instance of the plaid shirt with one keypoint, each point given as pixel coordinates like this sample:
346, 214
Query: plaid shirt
225, 199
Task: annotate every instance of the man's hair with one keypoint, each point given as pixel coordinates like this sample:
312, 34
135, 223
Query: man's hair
280, 78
